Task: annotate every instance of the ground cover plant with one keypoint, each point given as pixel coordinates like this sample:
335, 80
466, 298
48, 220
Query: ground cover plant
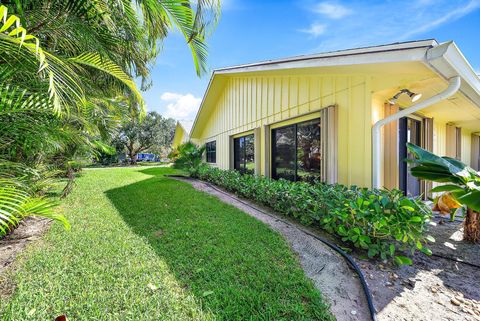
146, 247
384, 223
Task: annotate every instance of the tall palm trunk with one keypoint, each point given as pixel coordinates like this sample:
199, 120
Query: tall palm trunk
471, 228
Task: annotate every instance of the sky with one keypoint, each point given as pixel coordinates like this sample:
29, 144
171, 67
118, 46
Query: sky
256, 30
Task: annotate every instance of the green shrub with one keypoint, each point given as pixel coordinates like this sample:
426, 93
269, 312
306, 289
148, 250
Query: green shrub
189, 157
384, 223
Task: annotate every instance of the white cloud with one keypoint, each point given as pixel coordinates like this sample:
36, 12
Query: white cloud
447, 17
181, 107
315, 29
332, 10
386, 22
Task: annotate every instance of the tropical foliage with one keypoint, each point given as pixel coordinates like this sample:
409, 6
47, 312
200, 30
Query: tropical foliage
384, 223
188, 156
462, 182
67, 70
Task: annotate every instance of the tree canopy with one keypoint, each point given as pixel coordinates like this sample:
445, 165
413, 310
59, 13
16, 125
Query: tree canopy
153, 134
67, 71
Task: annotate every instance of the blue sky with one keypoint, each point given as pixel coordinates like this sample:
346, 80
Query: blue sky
254, 30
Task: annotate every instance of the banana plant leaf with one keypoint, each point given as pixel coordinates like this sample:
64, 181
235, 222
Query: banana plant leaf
466, 181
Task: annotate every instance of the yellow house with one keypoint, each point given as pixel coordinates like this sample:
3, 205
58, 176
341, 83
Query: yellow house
182, 134
343, 116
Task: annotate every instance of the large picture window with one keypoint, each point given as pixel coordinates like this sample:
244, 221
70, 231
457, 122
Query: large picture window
244, 154
211, 151
296, 151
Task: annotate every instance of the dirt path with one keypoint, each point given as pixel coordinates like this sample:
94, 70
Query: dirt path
433, 288
329, 271
29, 230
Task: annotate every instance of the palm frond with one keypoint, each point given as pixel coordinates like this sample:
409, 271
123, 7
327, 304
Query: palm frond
94, 60
16, 204
20, 49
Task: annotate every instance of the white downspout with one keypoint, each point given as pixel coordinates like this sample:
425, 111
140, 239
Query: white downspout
453, 87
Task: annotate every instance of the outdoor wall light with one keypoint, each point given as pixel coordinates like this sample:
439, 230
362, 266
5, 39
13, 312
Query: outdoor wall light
413, 96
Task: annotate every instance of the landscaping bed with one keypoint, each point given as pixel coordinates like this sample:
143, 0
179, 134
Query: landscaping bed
433, 288
384, 223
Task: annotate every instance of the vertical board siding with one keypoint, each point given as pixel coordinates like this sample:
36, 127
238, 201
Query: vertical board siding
249, 102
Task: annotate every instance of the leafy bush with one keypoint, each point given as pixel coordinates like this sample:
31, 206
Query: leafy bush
382, 222
189, 157
16, 204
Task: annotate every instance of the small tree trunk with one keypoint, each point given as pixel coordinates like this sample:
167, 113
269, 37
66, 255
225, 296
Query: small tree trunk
133, 158
71, 181
471, 227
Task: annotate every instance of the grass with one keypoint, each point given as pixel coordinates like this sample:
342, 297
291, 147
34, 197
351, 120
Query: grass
147, 247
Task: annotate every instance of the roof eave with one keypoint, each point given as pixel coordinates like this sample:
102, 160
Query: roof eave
385, 53
448, 61
410, 51
192, 130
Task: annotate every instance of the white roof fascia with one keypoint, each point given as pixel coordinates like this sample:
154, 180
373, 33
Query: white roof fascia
448, 61
411, 51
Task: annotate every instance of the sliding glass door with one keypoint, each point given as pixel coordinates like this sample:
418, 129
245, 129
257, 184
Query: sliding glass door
410, 131
296, 151
244, 154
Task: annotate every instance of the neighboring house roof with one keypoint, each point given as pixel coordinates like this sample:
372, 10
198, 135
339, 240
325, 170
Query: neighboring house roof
187, 125
182, 132
444, 59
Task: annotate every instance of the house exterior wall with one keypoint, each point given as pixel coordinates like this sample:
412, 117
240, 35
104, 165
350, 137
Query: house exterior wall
249, 102
442, 145
256, 103
180, 136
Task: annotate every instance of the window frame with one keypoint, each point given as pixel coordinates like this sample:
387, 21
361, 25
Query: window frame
244, 170
211, 152
274, 147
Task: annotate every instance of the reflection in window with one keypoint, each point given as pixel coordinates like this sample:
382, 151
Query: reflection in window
308, 150
244, 154
296, 152
211, 151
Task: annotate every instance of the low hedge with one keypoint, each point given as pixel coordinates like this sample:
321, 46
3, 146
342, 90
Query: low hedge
383, 222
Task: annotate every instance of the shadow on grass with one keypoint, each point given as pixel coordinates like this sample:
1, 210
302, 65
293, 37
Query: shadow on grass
234, 265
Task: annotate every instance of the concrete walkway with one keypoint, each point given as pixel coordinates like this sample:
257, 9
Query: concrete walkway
328, 270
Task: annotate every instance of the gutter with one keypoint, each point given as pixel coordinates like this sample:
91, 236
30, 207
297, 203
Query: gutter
453, 87
449, 63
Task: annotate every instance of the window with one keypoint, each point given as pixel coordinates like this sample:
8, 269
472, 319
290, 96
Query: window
296, 152
211, 150
410, 131
244, 154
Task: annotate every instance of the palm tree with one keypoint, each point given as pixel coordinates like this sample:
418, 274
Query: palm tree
67, 70
464, 184
189, 157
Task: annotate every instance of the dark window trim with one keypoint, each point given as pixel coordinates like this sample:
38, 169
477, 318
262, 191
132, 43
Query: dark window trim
244, 152
273, 145
211, 153
403, 153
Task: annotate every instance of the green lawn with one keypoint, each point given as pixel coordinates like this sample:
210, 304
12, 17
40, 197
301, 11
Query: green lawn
147, 247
